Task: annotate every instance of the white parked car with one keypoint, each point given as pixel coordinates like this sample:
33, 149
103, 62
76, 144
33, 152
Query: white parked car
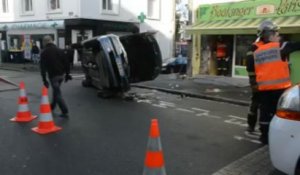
284, 135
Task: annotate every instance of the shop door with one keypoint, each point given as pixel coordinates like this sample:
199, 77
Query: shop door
81, 35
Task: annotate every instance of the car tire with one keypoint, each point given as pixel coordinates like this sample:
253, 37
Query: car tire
297, 171
86, 83
172, 70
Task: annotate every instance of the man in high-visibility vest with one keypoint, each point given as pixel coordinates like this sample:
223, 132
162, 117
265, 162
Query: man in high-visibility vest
221, 54
267, 60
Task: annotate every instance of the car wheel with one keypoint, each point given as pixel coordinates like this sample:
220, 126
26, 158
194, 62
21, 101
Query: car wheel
86, 83
297, 171
172, 70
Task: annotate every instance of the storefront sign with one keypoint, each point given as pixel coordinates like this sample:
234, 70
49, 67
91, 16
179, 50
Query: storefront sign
265, 9
249, 9
58, 24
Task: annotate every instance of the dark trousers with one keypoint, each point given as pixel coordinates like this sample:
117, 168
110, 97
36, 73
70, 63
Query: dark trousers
253, 109
269, 100
222, 66
57, 95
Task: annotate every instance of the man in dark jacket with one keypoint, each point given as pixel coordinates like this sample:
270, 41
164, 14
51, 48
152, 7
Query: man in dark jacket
56, 65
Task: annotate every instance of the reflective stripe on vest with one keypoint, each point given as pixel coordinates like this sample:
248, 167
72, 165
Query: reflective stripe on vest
274, 81
271, 72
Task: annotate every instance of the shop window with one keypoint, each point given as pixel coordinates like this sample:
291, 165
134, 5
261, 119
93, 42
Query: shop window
4, 6
27, 6
243, 44
110, 6
54, 5
153, 10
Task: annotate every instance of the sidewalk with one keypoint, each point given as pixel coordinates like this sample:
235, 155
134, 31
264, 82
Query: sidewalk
30, 67
218, 88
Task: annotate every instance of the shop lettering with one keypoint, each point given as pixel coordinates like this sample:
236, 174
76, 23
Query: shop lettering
230, 12
287, 6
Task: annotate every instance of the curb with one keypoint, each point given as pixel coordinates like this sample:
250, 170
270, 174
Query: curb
201, 96
11, 69
8, 82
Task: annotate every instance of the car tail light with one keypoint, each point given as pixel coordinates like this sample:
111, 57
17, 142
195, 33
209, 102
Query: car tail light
290, 115
289, 104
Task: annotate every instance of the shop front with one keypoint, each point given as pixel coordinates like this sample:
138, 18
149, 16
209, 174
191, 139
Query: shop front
20, 37
224, 33
17, 38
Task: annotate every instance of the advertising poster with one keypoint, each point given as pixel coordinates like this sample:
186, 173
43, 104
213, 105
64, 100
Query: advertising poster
27, 47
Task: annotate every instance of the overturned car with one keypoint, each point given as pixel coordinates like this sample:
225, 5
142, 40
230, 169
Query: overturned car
111, 63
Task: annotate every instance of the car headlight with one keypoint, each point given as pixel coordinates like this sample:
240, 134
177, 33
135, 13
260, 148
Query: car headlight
289, 104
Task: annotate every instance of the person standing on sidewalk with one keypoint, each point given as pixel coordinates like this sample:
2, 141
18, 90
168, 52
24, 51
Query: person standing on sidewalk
69, 53
272, 75
56, 65
222, 61
35, 53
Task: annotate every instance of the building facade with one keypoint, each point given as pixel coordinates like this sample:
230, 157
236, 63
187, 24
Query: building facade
236, 25
25, 21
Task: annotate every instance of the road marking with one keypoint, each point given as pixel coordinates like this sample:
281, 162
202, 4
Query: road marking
198, 109
240, 138
236, 117
144, 101
167, 103
77, 75
254, 135
159, 106
234, 121
214, 116
184, 110
207, 115
147, 94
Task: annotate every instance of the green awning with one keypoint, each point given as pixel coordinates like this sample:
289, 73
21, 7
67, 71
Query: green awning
289, 24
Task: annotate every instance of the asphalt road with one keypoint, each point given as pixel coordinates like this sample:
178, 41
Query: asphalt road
109, 136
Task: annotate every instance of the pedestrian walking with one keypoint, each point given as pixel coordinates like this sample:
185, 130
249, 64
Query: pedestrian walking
56, 66
268, 60
35, 53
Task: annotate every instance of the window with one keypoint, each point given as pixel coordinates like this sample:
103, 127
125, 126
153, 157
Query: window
153, 9
27, 6
4, 6
110, 6
54, 5
106, 4
243, 44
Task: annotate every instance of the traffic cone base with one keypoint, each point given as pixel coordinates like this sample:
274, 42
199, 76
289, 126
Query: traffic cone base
46, 124
154, 171
24, 119
46, 131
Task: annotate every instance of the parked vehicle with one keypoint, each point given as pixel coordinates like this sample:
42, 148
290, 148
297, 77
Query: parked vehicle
111, 63
175, 65
284, 134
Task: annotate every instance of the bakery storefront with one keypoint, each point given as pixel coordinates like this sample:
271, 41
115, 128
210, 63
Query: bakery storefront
235, 25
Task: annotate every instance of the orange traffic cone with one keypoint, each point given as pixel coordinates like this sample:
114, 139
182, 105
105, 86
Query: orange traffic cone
46, 124
154, 161
23, 114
